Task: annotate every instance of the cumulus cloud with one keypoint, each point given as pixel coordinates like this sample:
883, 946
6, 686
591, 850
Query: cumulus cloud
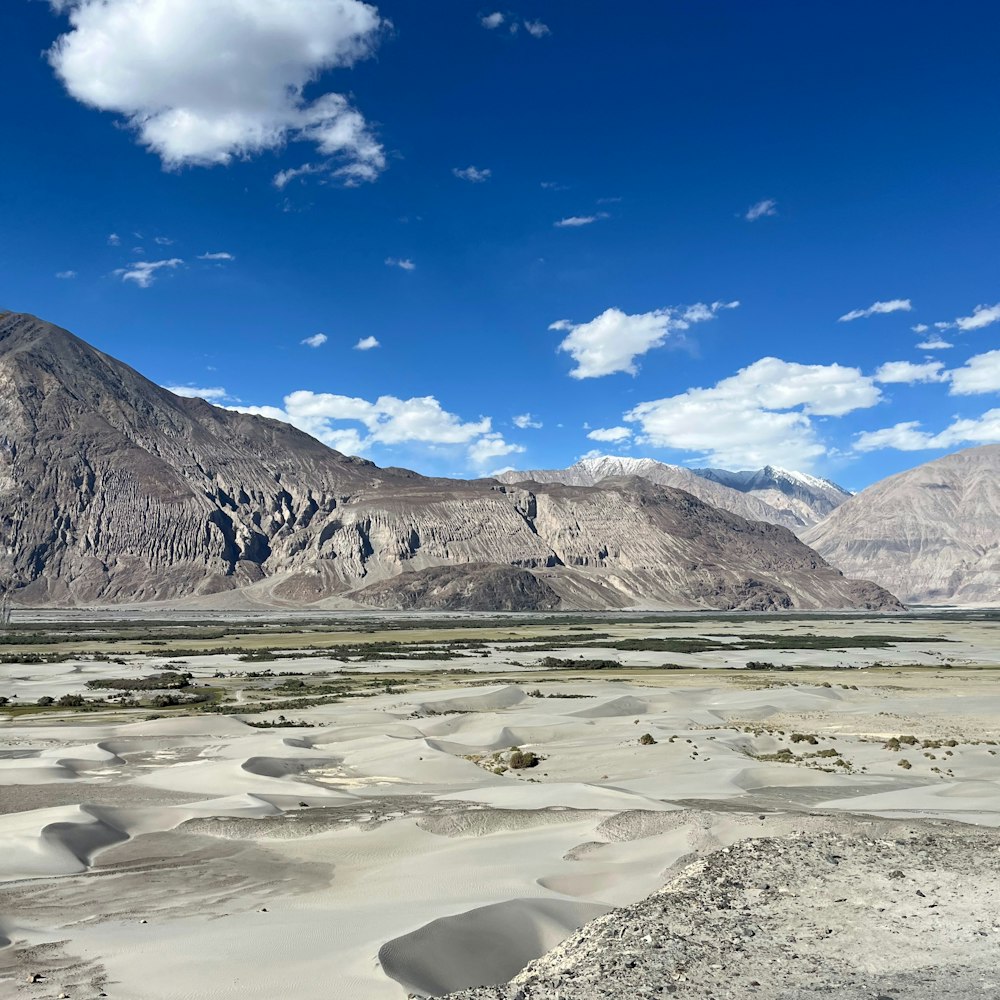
367, 344
612, 341
934, 343
920, 328
220, 255
575, 221
144, 272
405, 263
214, 394
909, 436
981, 316
114, 240
537, 29
492, 21
316, 340
65, 275
525, 421
474, 175
203, 82
979, 374
614, 434
878, 308
761, 210
491, 446
386, 421
762, 414
908, 372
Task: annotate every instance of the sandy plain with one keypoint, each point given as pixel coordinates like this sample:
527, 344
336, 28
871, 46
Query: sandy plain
337, 820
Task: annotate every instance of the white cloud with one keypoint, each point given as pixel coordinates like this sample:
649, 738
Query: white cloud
761, 210
908, 436
491, 446
367, 344
525, 421
920, 328
214, 394
492, 21
114, 240
610, 434
203, 82
144, 272
66, 275
760, 415
284, 177
908, 372
575, 221
935, 343
316, 340
878, 308
387, 421
219, 255
473, 174
981, 316
405, 263
612, 341
163, 241
537, 29
978, 375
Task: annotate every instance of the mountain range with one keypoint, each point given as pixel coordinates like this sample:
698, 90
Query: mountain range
113, 489
793, 499
932, 534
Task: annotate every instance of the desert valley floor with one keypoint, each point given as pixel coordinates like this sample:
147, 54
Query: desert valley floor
327, 806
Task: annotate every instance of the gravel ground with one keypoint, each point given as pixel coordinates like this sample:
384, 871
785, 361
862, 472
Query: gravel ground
896, 912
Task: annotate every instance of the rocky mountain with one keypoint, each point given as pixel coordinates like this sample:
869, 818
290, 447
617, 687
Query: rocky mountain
792, 499
112, 489
931, 534
795, 494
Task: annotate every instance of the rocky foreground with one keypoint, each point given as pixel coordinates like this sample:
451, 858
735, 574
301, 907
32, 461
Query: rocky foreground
900, 912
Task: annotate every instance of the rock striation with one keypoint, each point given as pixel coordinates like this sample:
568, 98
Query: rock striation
112, 489
793, 499
932, 534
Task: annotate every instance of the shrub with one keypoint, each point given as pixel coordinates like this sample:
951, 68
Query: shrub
45, 701
521, 759
905, 764
71, 701
647, 740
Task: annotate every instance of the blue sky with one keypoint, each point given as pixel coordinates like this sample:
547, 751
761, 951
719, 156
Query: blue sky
670, 208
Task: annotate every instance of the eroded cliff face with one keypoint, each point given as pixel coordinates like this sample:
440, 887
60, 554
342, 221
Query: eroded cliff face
932, 534
113, 489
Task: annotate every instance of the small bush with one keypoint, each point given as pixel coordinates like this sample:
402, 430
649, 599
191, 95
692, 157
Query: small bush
905, 764
647, 740
522, 759
72, 701
45, 701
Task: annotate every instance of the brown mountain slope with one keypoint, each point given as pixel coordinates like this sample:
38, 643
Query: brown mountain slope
113, 489
932, 534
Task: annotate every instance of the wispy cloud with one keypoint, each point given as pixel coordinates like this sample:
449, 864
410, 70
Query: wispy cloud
114, 240
214, 394
761, 210
144, 272
403, 262
878, 309
163, 241
574, 221
537, 29
66, 275
473, 174
316, 340
981, 316
367, 344
525, 421
492, 21
220, 255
